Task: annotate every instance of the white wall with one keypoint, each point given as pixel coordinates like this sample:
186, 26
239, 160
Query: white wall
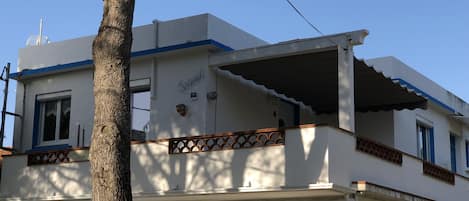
394, 68
172, 32
297, 164
405, 129
174, 77
405, 122
80, 84
230, 35
203, 27
75, 50
408, 178
177, 76
242, 107
377, 126
316, 155
435, 115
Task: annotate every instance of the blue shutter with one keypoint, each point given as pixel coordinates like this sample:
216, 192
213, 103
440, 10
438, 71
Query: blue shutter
467, 154
452, 142
432, 146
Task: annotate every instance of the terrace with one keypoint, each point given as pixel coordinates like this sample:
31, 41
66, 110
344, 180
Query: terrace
316, 160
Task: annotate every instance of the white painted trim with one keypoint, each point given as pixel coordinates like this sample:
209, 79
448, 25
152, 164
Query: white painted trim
288, 48
145, 82
54, 95
219, 194
420, 119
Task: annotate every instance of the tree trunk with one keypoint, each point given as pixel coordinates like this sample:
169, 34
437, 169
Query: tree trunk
110, 145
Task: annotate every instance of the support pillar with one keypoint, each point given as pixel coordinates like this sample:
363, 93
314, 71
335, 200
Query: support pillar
346, 102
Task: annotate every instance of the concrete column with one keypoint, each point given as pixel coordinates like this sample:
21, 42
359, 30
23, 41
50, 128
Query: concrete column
19, 109
346, 106
153, 87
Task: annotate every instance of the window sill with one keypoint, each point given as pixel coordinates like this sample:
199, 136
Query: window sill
49, 148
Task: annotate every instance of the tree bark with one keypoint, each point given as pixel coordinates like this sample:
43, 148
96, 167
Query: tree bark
110, 145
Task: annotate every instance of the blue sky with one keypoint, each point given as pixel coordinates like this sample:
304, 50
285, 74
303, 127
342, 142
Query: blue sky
431, 36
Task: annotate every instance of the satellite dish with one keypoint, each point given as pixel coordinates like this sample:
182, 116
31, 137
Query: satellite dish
37, 40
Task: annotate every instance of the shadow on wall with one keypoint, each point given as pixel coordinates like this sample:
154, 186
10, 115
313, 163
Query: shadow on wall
302, 161
54, 180
306, 154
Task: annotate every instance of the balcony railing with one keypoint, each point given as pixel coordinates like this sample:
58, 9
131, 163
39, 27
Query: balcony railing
381, 151
227, 141
57, 156
291, 157
438, 172
394, 156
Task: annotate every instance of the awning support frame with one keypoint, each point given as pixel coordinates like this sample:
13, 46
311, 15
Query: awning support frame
346, 92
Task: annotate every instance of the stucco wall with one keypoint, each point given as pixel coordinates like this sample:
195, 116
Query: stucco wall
202, 27
395, 68
297, 164
437, 115
241, 107
377, 126
80, 83
177, 76
173, 78
316, 155
75, 50
408, 178
405, 122
230, 35
157, 34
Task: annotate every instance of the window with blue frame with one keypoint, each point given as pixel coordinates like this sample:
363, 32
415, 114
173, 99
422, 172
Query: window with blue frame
52, 119
452, 143
425, 140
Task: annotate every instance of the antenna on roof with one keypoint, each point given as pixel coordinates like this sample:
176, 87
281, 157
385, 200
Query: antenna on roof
37, 40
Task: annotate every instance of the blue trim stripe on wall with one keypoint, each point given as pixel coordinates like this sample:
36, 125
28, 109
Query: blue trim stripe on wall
36, 124
78, 64
426, 95
49, 148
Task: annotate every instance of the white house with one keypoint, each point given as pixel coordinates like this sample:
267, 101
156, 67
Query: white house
218, 114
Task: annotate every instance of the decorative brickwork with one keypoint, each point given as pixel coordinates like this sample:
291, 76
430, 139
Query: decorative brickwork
49, 157
438, 172
379, 150
227, 141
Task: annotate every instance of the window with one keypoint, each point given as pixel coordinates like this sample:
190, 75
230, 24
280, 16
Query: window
140, 111
140, 108
425, 147
452, 143
54, 121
